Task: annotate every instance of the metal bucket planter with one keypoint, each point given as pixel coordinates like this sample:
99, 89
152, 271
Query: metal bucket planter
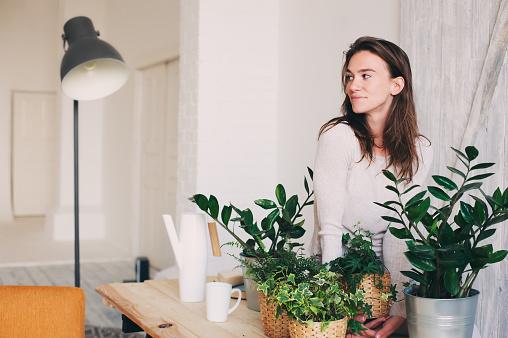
440, 318
251, 288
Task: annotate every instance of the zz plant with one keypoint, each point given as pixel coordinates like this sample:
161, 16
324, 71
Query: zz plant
280, 226
446, 244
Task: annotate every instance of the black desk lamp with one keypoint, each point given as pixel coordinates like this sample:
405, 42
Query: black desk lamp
91, 69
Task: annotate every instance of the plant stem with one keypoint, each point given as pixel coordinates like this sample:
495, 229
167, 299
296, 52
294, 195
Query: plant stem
464, 290
452, 205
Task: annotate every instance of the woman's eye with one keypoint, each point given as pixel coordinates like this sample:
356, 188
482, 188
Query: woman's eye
366, 76
349, 78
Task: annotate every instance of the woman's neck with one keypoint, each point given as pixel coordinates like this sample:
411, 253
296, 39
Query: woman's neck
377, 126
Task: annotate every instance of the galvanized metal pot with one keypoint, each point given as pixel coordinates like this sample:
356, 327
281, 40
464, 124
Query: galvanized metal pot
440, 318
251, 288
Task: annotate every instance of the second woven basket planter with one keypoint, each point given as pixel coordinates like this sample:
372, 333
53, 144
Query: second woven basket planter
380, 308
337, 328
272, 328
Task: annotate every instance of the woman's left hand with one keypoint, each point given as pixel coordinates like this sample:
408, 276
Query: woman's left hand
389, 325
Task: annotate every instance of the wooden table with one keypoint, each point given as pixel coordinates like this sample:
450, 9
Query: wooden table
154, 304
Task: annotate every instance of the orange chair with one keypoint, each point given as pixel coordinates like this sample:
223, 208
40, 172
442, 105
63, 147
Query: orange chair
41, 311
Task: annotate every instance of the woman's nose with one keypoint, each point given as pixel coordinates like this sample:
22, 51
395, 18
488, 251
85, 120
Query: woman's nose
354, 84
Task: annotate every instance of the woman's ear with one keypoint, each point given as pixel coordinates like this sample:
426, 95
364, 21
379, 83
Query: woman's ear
398, 85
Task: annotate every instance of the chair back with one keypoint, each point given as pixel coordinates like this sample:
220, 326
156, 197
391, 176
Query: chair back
42, 311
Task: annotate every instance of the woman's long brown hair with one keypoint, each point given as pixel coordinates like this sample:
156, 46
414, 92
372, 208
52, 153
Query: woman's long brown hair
401, 129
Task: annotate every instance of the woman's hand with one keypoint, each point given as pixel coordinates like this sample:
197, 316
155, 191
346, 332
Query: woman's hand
378, 328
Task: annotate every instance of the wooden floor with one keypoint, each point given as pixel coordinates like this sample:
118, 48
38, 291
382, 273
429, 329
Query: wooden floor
92, 275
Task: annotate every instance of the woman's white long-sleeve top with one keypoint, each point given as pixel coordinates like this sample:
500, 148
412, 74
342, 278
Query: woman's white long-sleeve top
346, 187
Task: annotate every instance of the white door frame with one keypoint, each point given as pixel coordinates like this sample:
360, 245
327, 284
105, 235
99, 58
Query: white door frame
156, 58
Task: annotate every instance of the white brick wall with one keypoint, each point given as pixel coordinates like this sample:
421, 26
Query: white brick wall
228, 101
187, 120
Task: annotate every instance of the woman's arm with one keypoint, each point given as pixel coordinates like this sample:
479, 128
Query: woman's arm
333, 157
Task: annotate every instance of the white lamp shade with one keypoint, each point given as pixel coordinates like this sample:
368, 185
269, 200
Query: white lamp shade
95, 79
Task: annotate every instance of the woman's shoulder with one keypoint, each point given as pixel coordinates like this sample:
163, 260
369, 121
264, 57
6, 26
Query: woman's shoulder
339, 131
340, 140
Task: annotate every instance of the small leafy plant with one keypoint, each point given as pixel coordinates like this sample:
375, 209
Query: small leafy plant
319, 298
445, 244
360, 260
280, 226
286, 262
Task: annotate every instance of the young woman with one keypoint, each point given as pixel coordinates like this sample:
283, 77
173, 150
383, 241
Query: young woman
378, 130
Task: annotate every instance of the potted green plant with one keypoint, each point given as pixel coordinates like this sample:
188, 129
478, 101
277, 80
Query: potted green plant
316, 305
362, 268
276, 232
446, 246
263, 269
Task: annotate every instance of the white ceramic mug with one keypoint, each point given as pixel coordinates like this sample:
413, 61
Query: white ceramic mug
218, 297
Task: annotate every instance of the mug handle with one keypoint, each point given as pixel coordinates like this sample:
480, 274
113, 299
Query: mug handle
237, 301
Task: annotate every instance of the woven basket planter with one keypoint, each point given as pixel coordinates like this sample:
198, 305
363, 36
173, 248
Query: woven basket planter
271, 327
380, 308
336, 328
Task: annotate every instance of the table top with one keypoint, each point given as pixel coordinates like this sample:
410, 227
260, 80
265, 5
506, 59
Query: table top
155, 303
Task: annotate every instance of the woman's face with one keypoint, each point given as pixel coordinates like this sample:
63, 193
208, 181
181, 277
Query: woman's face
370, 86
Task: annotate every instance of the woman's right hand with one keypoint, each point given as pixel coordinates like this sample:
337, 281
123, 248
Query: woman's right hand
369, 326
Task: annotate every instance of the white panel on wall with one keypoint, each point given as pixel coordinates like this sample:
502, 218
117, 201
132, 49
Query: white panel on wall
34, 152
158, 113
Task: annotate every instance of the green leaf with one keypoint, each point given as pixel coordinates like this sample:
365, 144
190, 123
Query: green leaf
439, 193
280, 193
420, 263
482, 166
311, 173
389, 175
463, 161
456, 260
497, 256
213, 205
410, 188
247, 217
401, 233
201, 201
272, 217
460, 154
306, 184
486, 234
421, 250
445, 182
471, 186
479, 177
482, 252
416, 276
457, 171
386, 206
497, 219
296, 232
415, 198
451, 248
392, 219
291, 205
451, 281
392, 188
471, 152
265, 203
467, 212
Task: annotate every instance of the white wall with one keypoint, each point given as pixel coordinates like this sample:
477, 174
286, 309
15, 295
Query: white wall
144, 32
29, 40
30, 36
312, 38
